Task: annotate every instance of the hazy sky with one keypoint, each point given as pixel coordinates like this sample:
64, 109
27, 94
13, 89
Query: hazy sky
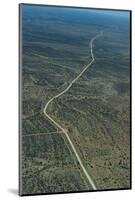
107, 12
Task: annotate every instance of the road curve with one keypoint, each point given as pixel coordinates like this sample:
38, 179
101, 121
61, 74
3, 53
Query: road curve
59, 126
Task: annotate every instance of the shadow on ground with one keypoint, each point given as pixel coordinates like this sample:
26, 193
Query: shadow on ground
13, 191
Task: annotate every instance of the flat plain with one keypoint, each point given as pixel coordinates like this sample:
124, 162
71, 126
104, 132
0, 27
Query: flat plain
95, 111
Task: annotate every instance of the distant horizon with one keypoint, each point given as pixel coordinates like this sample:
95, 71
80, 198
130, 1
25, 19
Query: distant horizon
115, 12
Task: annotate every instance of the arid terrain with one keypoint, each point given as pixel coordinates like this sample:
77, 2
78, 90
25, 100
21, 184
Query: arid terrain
93, 110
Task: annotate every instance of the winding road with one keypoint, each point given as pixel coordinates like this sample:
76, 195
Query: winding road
63, 129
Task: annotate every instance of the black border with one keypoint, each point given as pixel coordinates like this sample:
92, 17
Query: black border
20, 103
